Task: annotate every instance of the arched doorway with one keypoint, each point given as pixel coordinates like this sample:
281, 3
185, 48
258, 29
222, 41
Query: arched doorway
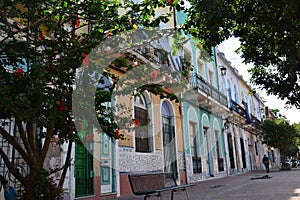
169, 142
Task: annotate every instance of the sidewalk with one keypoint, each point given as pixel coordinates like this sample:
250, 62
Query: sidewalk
281, 186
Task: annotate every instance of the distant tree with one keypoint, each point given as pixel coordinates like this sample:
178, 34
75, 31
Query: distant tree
297, 126
292, 151
268, 33
277, 113
280, 134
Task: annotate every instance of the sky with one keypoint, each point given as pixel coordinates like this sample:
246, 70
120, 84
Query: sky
228, 47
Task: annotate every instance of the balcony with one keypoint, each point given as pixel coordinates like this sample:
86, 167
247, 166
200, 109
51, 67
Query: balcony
158, 57
250, 122
239, 113
207, 95
254, 126
256, 122
238, 109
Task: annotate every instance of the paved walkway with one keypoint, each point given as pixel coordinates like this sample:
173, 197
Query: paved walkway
284, 185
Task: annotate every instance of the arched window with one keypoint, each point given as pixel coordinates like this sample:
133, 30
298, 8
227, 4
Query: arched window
143, 140
195, 147
218, 144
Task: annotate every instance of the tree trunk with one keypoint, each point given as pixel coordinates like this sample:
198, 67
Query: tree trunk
38, 186
284, 165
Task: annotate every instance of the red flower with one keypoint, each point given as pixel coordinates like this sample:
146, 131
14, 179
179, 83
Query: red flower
41, 36
170, 1
80, 126
117, 134
19, 72
85, 59
90, 137
107, 34
62, 105
77, 23
154, 74
136, 122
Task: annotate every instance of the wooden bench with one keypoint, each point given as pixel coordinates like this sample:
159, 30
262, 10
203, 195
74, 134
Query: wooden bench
152, 184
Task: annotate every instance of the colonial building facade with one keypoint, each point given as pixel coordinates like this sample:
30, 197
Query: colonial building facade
211, 132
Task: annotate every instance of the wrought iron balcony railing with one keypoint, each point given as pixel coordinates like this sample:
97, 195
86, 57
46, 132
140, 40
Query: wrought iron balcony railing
198, 82
256, 122
155, 56
237, 108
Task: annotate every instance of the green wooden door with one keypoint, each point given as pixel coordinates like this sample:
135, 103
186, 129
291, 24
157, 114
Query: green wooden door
84, 174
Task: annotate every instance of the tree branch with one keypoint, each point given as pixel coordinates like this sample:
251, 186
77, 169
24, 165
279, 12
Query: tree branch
12, 32
66, 165
11, 140
11, 167
31, 135
45, 147
31, 159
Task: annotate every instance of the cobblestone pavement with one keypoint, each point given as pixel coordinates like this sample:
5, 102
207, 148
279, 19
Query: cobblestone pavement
283, 185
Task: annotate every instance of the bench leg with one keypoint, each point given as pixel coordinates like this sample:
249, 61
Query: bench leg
160, 197
172, 194
187, 194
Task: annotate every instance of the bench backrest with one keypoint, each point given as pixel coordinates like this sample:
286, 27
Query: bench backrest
141, 183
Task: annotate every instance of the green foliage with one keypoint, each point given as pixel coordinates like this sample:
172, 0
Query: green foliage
293, 151
280, 134
278, 114
120, 62
297, 126
268, 33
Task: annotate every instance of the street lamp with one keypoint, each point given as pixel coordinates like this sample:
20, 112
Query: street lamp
226, 124
223, 70
183, 63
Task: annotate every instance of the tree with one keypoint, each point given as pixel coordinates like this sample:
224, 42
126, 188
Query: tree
42, 44
293, 151
268, 33
280, 134
277, 113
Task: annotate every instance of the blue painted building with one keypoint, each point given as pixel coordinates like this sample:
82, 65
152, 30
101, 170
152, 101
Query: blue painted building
203, 107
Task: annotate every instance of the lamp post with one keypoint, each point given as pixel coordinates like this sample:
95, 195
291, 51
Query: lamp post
226, 124
223, 70
183, 63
